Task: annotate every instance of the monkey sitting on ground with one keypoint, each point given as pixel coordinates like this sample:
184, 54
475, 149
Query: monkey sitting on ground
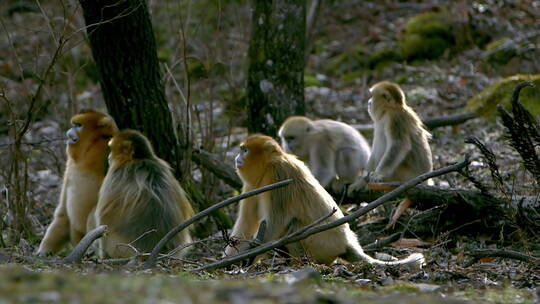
400, 143
335, 152
140, 200
262, 162
85, 169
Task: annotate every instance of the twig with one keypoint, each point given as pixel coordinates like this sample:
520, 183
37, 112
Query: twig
477, 254
151, 261
265, 247
78, 252
307, 231
382, 242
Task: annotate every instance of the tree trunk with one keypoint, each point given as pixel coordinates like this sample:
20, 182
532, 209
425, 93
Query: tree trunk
124, 49
275, 87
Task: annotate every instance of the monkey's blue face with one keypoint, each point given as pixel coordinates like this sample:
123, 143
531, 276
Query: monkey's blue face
73, 134
239, 159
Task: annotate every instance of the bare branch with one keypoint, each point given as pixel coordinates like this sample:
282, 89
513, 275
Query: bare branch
265, 247
151, 261
500, 253
78, 252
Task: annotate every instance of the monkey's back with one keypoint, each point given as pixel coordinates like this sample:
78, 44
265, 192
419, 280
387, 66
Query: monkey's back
142, 197
307, 201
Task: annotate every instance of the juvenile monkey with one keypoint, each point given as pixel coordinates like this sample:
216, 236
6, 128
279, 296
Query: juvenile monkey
140, 199
335, 152
262, 162
85, 169
400, 144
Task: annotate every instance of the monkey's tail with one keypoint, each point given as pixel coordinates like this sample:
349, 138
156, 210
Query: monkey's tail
356, 254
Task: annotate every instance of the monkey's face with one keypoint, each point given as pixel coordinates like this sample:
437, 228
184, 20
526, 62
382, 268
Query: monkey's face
292, 140
90, 125
73, 134
239, 159
255, 153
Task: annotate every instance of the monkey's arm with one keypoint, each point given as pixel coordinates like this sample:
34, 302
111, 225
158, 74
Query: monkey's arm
322, 163
246, 224
57, 233
397, 148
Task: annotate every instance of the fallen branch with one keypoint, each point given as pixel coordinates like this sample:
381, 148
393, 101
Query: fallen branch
477, 254
309, 230
152, 260
431, 123
383, 242
219, 168
78, 252
248, 254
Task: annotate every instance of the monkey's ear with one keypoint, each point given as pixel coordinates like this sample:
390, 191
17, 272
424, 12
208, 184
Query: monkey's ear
126, 148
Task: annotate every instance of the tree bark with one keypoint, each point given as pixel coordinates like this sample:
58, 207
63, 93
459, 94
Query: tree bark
124, 49
275, 86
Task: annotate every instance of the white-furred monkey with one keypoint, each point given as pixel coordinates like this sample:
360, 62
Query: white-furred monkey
335, 152
262, 162
400, 144
140, 199
85, 169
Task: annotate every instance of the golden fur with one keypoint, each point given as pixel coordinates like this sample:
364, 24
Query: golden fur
139, 194
85, 169
262, 162
400, 144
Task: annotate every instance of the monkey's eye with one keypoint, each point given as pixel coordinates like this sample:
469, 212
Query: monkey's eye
243, 149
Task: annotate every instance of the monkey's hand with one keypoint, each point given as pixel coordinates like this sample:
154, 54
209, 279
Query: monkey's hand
376, 177
359, 184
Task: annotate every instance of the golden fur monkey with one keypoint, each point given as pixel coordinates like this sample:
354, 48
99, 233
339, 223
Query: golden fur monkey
262, 162
400, 143
139, 195
85, 169
335, 152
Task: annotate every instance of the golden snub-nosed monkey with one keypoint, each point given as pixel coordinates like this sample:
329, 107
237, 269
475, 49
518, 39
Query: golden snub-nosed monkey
262, 162
400, 144
85, 169
140, 200
335, 152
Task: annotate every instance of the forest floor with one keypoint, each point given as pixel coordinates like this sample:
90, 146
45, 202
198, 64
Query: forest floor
434, 88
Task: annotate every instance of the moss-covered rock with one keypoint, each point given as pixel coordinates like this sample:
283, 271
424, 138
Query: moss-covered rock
427, 36
500, 51
485, 102
383, 57
351, 60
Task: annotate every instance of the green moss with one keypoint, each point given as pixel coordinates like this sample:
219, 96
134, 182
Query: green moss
500, 51
426, 36
311, 81
484, 103
352, 60
383, 57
